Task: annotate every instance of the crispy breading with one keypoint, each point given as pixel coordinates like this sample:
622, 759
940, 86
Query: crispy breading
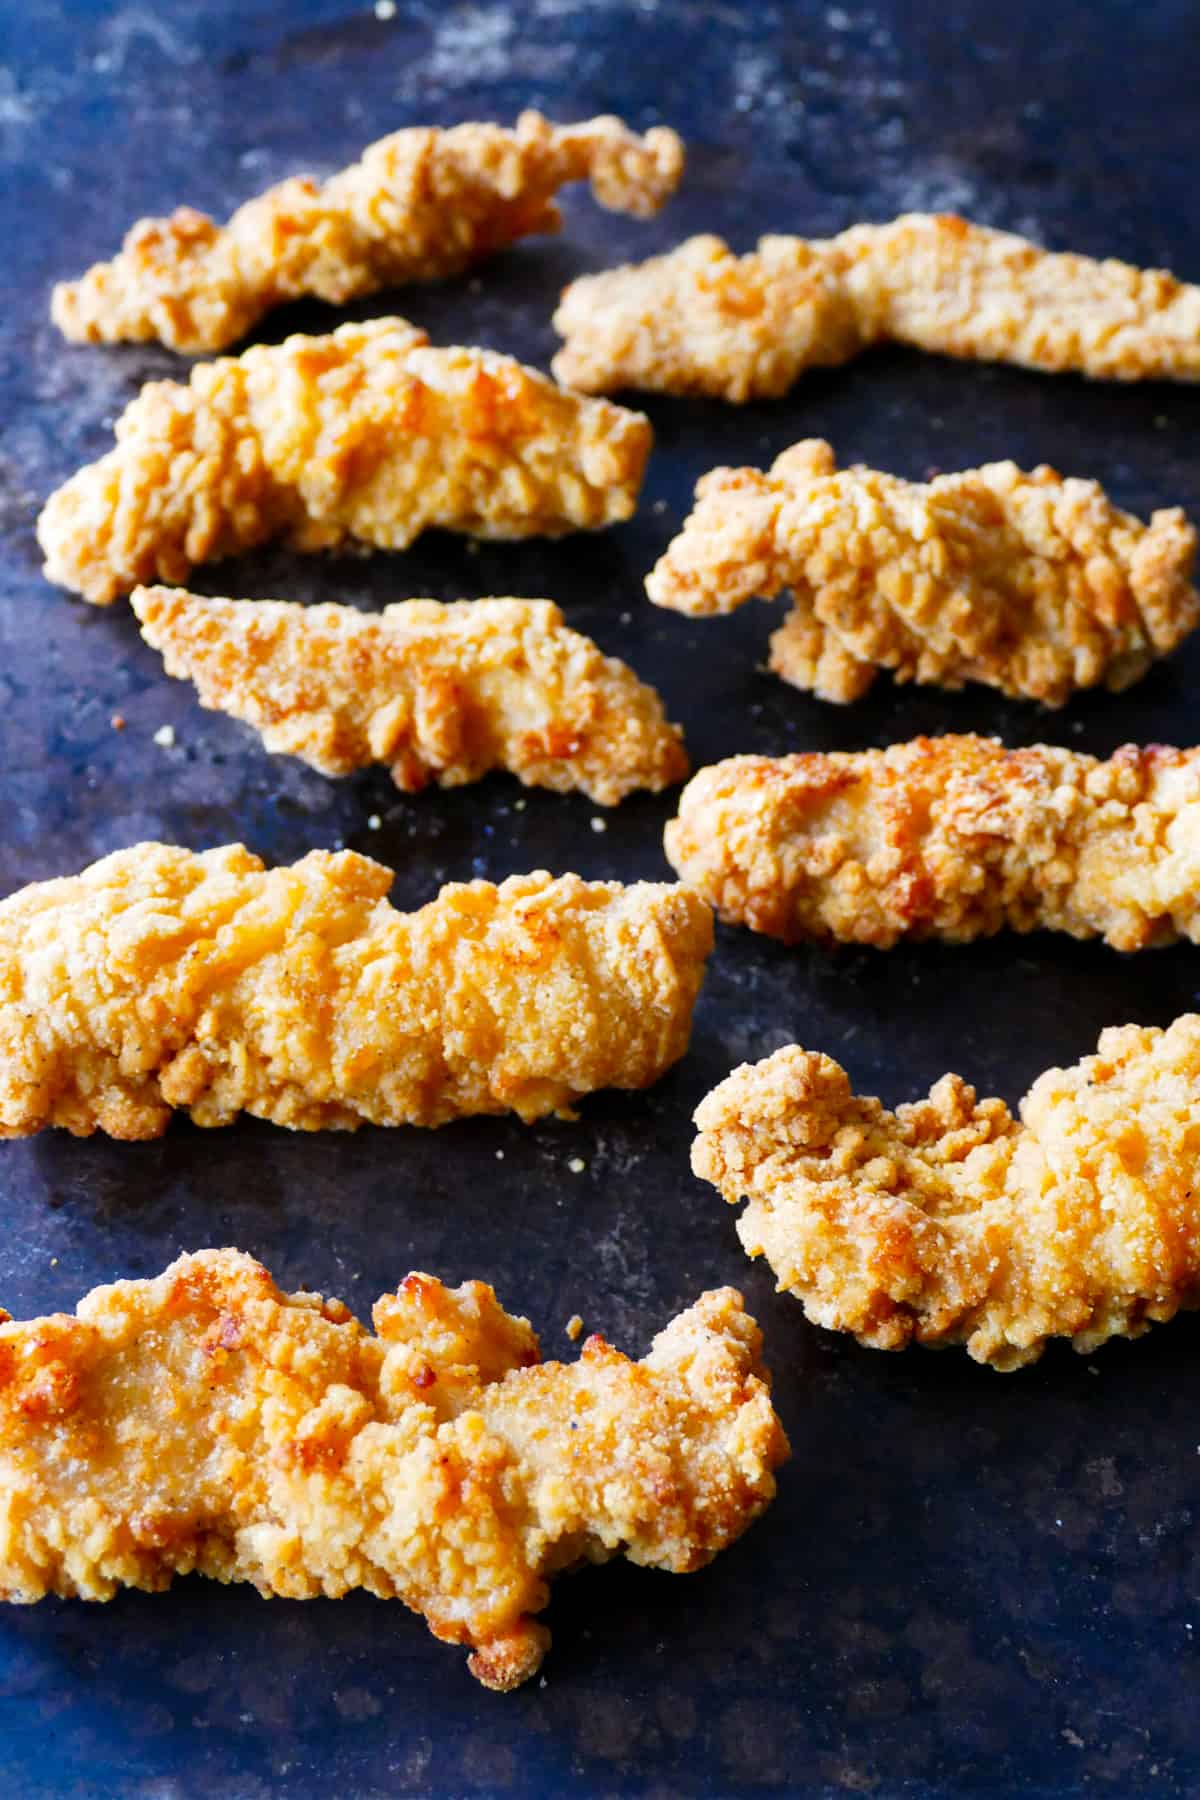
704, 321
439, 692
365, 437
951, 1222
160, 978
206, 1422
1030, 583
421, 204
950, 837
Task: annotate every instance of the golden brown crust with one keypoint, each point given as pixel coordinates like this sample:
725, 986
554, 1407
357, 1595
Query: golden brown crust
206, 1422
159, 978
950, 1222
703, 321
1030, 583
421, 204
439, 692
365, 437
951, 837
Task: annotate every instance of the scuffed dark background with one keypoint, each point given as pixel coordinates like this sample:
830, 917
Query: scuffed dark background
969, 1583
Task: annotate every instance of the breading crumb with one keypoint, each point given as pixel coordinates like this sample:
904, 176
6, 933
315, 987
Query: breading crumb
574, 1327
373, 821
577, 1165
164, 737
117, 721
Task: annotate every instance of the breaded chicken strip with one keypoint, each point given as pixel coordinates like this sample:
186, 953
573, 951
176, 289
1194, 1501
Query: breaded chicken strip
951, 1222
206, 1422
159, 978
421, 204
441, 693
1030, 583
951, 837
365, 437
704, 321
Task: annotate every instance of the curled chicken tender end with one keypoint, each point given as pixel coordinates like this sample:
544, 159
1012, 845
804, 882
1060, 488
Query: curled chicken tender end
360, 439
704, 321
439, 692
1031, 583
421, 204
951, 1222
206, 1422
161, 979
951, 837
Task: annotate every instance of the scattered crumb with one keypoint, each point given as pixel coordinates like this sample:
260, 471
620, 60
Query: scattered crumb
54, 1265
660, 506
117, 721
374, 822
519, 805
574, 1327
385, 9
627, 618
577, 1165
1073, 1738
499, 1156
164, 737
599, 825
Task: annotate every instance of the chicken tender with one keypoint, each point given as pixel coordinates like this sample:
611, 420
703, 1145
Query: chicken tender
439, 693
704, 321
951, 1222
1030, 583
365, 437
951, 837
159, 978
206, 1422
421, 204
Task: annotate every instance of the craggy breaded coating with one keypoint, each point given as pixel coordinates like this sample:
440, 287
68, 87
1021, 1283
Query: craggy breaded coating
439, 692
365, 437
159, 978
951, 1222
1033, 584
421, 204
704, 321
951, 837
205, 1422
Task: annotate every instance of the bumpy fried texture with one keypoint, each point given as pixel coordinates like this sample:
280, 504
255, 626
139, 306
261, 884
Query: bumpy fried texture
206, 1422
1030, 583
951, 1222
441, 693
952, 837
365, 437
159, 978
421, 204
703, 321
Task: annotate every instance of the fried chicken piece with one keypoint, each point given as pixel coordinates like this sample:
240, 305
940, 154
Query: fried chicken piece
1030, 583
421, 204
703, 321
365, 437
440, 693
160, 978
951, 837
951, 1222
205, 1422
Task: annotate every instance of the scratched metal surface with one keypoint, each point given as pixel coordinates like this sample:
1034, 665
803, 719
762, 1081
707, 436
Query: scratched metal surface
969, 1583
